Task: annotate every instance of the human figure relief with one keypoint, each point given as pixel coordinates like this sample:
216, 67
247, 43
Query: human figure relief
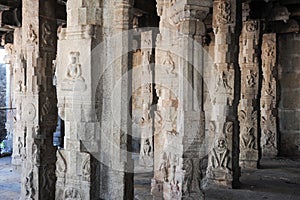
74, 68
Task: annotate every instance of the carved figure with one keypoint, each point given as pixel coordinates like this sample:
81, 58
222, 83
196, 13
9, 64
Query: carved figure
270, 139
224, 12
30, 191
147, 148
219, 155
164, 167
170, 64
248, 138
72, 194
223, 81
31, 35
188, 177
74, 68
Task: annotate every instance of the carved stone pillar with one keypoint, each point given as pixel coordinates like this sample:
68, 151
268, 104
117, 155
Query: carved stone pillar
248, 107
77, 166
38, 99
146, 153
223, 159
268, 100
179, 127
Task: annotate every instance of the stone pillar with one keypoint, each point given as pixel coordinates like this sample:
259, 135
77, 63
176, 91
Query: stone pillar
38, 99
249, 106
146, 153
222, 167
117, 170
7, 41
179, 119
268, 100
77, 70
18, 70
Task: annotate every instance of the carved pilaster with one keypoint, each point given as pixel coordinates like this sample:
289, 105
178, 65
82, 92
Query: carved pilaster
268, 100
222, 167
248, 107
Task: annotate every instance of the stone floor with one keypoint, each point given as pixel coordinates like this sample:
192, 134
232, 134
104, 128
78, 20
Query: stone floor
10, 183
277, 179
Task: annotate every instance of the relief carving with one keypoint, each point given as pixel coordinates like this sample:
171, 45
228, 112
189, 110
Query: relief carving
31, 35
86, 170
223, 15
61, 165
250, 79
72, 194
219, 157
147, 148
251, 26
74, 68
188, 176
164, 167
169, 63
30, 190
47, 34
248, 138
269, 139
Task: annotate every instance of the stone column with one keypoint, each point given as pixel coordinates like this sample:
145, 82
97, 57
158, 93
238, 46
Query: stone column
268, 100
38, 99
7, 42
223, 159
117, 171
77, 70
146, 153
18, 69
249, 107
179, 127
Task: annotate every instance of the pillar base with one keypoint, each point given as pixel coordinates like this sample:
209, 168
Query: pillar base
249, 159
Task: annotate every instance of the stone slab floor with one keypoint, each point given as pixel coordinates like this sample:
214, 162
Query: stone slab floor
277, 179
10, 183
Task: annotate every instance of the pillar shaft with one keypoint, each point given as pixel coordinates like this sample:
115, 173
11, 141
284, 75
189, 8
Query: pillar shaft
38, 99
77, 70
146, 123
248, 107
179, 127
222, 167
268, 100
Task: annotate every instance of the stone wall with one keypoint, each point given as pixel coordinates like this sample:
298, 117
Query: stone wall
289, 104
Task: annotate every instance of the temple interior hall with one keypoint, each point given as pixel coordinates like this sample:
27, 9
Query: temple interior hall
149, 99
